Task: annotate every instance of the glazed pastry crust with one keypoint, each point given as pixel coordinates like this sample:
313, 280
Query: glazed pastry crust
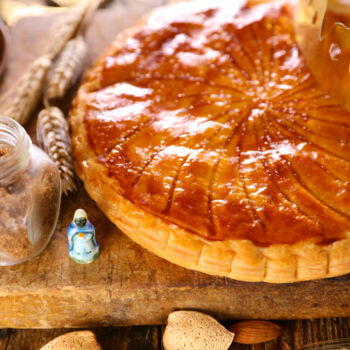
237, 259
234, 258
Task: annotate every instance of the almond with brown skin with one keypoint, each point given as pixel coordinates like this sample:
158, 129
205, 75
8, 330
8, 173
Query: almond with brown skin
255, 331
192, 330
80, 340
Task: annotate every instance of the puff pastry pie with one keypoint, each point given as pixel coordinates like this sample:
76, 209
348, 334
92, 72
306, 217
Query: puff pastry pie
203, 136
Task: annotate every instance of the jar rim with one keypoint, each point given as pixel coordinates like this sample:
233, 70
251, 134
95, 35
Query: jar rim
15, 136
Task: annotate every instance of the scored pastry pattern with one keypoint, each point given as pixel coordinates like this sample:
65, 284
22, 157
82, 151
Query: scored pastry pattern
226, 108
206, 140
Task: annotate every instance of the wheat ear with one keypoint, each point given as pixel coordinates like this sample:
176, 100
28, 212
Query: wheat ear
67, 68
53, 136
66, 27
26, 94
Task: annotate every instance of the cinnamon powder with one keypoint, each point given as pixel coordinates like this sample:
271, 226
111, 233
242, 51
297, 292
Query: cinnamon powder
13, 209
26, 203
4, 149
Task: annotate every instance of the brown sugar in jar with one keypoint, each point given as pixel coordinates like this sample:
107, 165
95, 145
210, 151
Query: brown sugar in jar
30, 193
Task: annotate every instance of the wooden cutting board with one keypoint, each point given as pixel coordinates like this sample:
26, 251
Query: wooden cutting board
127, 285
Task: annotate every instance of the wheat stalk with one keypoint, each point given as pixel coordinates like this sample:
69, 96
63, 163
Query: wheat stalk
66, 27
52, 134
26, 94
67, 68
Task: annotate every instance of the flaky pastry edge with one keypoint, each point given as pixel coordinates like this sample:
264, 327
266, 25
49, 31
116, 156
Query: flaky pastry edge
237, 259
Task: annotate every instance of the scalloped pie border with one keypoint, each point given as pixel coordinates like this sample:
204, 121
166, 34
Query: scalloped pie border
237, 259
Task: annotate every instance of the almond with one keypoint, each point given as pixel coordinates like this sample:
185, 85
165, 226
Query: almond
192, 330
80, 340
255, 331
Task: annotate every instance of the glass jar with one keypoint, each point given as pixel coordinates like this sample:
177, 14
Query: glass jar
30, 195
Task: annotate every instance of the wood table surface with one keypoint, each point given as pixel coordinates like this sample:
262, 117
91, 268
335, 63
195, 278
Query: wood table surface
296, 335
128, 285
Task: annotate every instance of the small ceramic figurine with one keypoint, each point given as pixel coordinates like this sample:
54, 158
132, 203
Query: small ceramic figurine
83, 247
